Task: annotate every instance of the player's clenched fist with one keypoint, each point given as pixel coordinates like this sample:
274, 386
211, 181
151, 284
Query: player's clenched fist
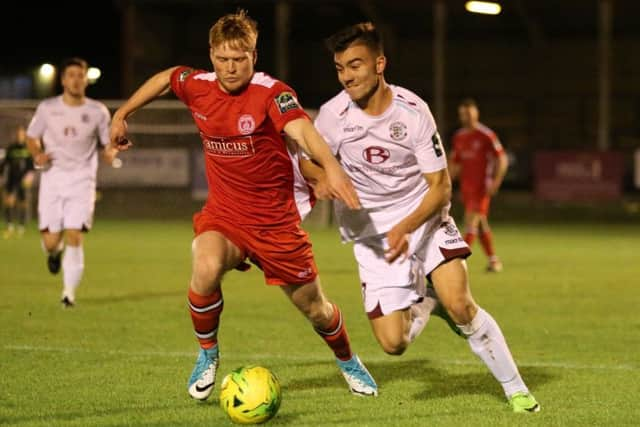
41, 160
118, 134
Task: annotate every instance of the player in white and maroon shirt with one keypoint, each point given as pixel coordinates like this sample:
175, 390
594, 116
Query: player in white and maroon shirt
303, 192
386, 140
62, 139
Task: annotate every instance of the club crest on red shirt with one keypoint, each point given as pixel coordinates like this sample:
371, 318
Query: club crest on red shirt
246, 124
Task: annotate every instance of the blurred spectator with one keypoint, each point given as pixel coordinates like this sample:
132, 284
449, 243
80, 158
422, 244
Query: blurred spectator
19, 170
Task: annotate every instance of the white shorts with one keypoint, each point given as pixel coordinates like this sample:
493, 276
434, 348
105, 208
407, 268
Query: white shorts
66, 208
304, 205
391, 287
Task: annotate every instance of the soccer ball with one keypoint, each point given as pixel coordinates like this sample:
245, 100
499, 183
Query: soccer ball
250, 395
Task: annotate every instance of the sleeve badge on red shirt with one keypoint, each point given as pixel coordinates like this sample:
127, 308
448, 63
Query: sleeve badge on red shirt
183, 75
286, 101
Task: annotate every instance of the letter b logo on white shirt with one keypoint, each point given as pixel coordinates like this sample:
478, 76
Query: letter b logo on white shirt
375, 155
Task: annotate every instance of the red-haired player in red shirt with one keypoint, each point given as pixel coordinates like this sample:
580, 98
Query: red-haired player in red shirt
479, 161
250, 211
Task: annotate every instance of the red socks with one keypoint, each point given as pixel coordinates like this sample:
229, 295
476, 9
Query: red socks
205, 314
469, 237
486, 238
335, 335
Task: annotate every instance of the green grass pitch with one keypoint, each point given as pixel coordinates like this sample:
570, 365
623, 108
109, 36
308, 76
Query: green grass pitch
568, 303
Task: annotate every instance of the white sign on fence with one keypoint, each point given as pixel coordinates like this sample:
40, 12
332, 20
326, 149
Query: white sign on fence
148, 167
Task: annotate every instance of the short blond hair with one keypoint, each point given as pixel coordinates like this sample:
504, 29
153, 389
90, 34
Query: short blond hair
236, 29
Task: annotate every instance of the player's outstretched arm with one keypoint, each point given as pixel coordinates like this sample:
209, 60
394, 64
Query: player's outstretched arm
305, 134
436, 198
156, 86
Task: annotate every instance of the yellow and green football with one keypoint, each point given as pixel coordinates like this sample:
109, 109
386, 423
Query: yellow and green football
250, 395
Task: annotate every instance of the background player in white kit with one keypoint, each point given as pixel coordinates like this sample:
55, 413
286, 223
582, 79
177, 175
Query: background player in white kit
386, 140
62, 138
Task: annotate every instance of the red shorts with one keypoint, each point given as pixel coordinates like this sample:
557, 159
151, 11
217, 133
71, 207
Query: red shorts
476, 203
284, 253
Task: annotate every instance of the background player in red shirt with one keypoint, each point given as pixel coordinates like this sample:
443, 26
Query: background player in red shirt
478, 159
250, 210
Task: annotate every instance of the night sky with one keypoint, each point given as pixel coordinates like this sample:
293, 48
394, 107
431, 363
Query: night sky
52, 31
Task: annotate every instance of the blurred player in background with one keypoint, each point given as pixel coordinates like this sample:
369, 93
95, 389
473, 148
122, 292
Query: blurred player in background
387, 142
62, 138
250, 210
18, 166
479, 161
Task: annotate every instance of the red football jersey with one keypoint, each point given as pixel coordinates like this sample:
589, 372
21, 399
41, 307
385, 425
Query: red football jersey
249, 172
476, 151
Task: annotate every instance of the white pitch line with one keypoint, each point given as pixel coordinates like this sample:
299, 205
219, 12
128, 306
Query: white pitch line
289, 357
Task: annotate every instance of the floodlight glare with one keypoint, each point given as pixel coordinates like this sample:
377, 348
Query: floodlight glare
93, 74
46, 71
484, 7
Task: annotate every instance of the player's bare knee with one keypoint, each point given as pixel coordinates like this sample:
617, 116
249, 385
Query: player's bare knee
50, 246
73, 237
319, 312
312, 303
395, 346
317, 318
207, 273
204, 287
463, 311
51, 241
395, 349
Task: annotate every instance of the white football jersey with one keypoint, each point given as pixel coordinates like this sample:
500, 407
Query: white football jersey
385, 156
70, 134
301, 191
